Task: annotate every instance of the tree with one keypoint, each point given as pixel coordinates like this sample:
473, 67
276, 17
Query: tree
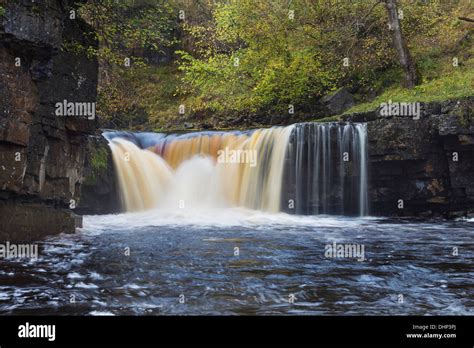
132, 35
412, 77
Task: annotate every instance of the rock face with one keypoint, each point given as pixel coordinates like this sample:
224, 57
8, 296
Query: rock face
99, 189
423, 167
42, 155
417, 167
338, 102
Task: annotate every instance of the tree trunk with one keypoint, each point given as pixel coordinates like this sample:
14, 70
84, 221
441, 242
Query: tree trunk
466, 19
412, 77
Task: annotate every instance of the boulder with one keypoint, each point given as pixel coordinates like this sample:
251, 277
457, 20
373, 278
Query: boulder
338, 102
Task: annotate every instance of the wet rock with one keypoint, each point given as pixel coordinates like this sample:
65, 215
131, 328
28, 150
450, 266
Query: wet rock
426, 163
43, 155
22, 221
99, 189
360, 117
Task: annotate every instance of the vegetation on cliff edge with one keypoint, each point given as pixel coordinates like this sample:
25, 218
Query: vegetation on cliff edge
223, 63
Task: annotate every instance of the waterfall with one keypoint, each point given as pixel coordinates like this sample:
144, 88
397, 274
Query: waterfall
142, 175
326, 170
212, 169
306, 168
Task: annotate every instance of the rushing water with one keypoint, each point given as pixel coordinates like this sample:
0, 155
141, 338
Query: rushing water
205, 236
211, 169
192, 253
326, 169
308, 168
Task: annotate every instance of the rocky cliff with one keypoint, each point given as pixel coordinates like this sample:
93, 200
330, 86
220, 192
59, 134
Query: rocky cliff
42, 154
52, 167
422, 167
417, 167
99, 189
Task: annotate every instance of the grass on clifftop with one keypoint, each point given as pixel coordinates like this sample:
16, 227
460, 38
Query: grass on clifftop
441, 81
453, 83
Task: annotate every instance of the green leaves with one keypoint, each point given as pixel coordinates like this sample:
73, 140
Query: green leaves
244, 57
258, 55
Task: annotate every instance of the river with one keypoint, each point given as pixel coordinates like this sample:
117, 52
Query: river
238, 261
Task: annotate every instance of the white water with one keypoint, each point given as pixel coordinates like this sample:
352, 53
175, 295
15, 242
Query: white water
215, 218
186, 172
328, 168
363, 199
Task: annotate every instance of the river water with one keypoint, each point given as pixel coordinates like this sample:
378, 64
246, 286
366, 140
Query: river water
243, 262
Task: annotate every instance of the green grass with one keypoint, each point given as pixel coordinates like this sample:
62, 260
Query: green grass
441, 82
156, 91
99, 163
99, 159
453, 83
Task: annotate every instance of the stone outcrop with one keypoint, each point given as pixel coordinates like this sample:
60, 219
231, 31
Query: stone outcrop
417, 167
99, 189
423, 167
42, 155
338, 102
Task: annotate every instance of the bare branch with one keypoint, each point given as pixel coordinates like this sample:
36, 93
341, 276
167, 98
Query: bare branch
466, 19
